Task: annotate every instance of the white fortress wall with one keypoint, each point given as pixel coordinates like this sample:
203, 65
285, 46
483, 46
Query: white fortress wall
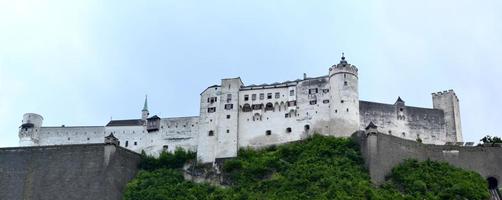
71, 135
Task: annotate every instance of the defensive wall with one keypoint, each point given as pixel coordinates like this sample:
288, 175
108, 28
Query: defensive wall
383, 152
87, 171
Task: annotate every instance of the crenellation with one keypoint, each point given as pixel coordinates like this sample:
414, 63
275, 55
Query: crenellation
234, 115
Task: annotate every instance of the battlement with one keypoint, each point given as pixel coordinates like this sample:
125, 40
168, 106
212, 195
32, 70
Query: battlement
445, 92
343, 67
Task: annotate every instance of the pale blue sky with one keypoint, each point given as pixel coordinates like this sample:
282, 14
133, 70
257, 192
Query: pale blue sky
82, 62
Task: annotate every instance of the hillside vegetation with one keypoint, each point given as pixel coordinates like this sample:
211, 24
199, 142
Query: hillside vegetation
317, 168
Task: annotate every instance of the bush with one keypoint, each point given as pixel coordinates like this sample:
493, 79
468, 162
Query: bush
166, 160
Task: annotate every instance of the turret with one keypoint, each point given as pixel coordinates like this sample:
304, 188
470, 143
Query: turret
29, 129
448, 102
344, 104
144, 112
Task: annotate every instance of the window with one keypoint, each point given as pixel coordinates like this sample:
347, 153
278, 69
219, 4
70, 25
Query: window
313, 102
228, 116
228, 131
269, 107
229, 98
313, 91
253, 97
211, 109
246, 97
342, 101
336, 111
246, 108
277, 95
165, 147
347, 110
211, 133
127, 143
325, 101
292, 93
269, 95
213, 99
262, 96
229, 106
88, 139
401, 109
286, 115
307, 127
257, 106
135, 143
345, 83
325, 90
291, 103
268, 132
288, 130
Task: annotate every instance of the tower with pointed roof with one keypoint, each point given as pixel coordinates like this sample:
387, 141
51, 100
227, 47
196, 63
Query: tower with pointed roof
144, 112
344, 102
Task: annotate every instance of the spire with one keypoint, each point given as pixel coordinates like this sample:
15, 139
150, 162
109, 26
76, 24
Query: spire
399, 101
145, 107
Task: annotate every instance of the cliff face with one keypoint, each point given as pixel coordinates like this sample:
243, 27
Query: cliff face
93, 171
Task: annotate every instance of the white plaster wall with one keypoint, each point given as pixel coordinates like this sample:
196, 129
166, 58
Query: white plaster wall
227, 129
206, 148
344, 101
71, 135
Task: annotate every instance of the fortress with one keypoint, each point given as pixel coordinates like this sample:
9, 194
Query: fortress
234, 115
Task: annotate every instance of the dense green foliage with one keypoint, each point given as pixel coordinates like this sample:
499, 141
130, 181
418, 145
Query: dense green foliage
174, 160
437, 180
317, 168
491, 140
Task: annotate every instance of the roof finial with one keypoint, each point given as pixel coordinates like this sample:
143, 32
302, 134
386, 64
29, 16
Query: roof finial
343, 61
145, 107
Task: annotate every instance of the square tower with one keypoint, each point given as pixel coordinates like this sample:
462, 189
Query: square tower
448, 102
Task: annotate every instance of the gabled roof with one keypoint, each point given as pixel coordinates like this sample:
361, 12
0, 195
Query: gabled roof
154, 117
371, 126
399, 99
110, 136
127, 122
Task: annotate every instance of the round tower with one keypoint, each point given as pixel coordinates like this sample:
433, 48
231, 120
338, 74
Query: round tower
344, 104
29, 129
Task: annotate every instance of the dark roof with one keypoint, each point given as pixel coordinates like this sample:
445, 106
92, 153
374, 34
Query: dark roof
399, 99
154, 117
371, 125
281, 84
110, 136
127, 122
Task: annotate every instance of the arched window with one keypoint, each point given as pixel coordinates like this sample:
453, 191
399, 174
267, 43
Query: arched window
246, 108
307, 127
269, 107
256, 117
211, 133
288, 130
